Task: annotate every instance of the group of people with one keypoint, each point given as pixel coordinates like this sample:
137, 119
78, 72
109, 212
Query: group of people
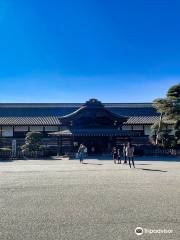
118, 154
126, 153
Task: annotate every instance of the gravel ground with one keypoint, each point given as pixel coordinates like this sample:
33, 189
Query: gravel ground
62, 199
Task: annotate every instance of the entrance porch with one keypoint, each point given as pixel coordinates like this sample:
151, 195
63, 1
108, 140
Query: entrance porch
97, 141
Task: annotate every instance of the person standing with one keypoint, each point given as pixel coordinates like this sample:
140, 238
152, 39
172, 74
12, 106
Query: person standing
124, 154
81, 153
85, 151
114, 154
130, 154
119, 155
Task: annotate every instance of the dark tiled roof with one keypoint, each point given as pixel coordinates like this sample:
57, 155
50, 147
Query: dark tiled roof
55, 109
142, 120
65, 111
135, 111
29, 121
71, 105
48, 113
35, 112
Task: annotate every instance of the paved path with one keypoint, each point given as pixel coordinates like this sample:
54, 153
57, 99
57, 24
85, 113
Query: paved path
61, 199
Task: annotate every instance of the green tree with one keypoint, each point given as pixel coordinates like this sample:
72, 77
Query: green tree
169, 109
33, 142
173, 95
174, 113
160, 133
161, 105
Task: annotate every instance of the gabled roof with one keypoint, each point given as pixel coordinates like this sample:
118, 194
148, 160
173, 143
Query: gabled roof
94, 106
48, 113
61, 109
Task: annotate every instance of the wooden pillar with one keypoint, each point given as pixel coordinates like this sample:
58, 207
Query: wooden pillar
13, 130
58, 146
143, 129
72, 144
61, 138
1, 131
44, 132
58, 142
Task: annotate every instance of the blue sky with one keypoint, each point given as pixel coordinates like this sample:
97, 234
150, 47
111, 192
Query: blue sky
70, 51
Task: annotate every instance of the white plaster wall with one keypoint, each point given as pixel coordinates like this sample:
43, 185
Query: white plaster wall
36, 128
21, 128
147, 129
126, 127
51, 128
7, 131
138, 127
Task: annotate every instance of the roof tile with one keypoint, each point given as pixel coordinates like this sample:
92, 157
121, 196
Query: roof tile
29, 121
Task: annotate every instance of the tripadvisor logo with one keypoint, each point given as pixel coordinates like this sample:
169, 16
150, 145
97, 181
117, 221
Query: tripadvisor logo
138, 231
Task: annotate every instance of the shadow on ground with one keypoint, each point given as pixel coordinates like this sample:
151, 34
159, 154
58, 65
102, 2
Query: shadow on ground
93, 163
152, 170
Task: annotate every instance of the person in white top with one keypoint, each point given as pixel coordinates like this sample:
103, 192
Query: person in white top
130, 154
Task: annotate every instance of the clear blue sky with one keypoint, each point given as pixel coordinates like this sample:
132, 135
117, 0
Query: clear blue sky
73, 50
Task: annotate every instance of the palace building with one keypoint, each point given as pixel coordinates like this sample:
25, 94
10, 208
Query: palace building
65, 125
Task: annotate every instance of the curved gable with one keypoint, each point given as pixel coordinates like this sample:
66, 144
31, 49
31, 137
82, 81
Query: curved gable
92, 114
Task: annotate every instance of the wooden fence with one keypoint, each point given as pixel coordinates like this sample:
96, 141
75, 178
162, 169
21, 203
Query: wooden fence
5, 155
161, 152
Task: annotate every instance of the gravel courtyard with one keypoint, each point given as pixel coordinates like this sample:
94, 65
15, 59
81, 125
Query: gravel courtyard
63, 200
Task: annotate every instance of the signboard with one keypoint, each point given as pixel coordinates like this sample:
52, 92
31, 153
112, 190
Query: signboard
14, 147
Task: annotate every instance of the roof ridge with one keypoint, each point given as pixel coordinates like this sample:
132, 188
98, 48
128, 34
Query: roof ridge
53, 105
